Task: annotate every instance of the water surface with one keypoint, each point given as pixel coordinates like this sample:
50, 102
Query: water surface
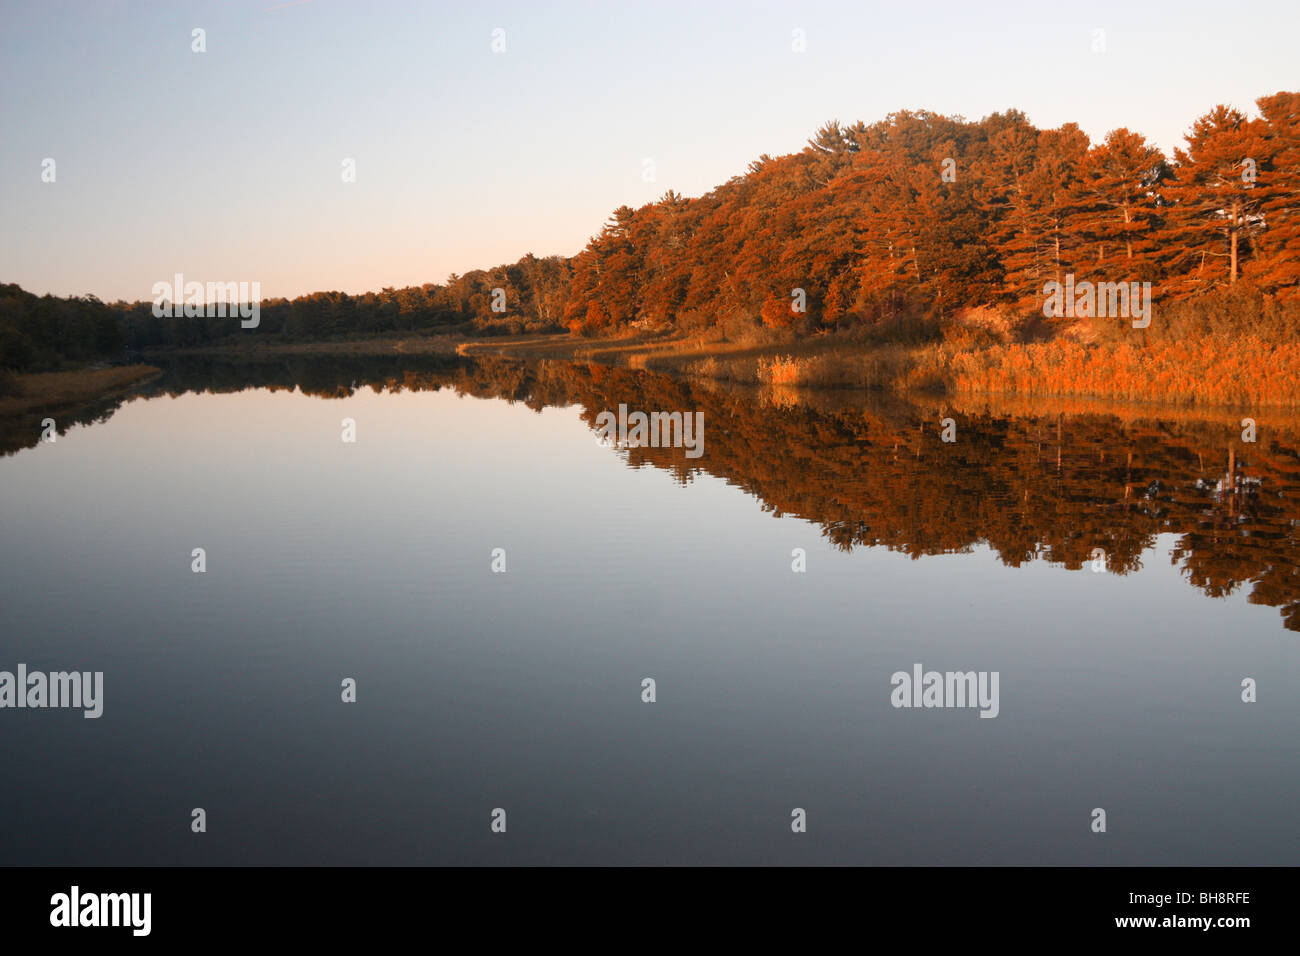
1119, 688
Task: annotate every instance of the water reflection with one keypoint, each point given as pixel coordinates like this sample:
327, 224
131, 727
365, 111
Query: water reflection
1075, 486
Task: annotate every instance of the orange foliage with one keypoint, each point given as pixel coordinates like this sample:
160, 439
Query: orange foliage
1217, 370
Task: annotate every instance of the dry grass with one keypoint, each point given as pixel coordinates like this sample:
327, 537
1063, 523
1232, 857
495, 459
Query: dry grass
1219, 370
46, 390
887, 367
1209, 369
779, 370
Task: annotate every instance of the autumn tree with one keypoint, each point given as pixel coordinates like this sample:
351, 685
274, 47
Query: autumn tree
1216, 208
1278, 266
1040, 232
1119, 184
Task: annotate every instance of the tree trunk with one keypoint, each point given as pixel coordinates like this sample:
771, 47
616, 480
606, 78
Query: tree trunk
1232, 274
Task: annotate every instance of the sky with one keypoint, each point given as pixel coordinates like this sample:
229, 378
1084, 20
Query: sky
228, 165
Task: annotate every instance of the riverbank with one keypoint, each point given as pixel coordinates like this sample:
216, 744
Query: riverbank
441, 344
1218, 370
52, 391
1215, 370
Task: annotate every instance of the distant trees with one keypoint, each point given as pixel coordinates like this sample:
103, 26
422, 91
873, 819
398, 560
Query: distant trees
910, 218
43, 332
534, 294
39, 332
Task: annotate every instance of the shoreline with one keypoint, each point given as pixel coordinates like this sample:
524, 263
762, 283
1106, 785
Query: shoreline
54, 392
1054, 372
1159, 376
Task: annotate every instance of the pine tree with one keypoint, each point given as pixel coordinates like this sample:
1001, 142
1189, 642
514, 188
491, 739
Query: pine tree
1215, 208
1278, 266
1119, 182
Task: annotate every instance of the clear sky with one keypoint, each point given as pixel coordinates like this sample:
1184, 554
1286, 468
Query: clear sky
227, 165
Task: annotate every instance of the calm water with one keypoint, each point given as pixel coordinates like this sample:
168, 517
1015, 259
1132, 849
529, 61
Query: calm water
1119, 689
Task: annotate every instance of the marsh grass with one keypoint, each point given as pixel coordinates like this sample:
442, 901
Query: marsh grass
48, 390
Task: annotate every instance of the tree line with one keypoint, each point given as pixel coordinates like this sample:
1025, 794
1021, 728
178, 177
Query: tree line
44, 332
912, 218
925, 214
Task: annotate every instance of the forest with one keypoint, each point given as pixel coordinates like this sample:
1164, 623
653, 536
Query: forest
905, 227
922, 215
